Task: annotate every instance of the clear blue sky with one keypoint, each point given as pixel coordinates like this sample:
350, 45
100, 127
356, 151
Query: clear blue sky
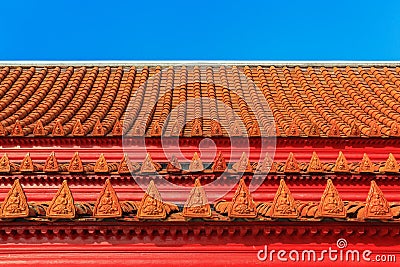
161, 30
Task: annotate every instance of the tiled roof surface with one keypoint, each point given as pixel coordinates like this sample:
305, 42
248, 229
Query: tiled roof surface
305, 101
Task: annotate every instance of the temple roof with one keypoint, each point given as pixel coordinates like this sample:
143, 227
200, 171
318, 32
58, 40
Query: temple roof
98, 100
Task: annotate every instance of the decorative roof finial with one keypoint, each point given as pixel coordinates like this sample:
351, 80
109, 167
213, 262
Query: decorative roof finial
17, 129
98, 129
197, 205
391, 164
216, 129
117, 129
243, 165
197, 129
51, 164
78, 129
15, 204
58, 129
283, 205
75, 164
243, 205
366, 165
341, 164
196, 165
26, 164
39, 129
376, 206
5, 166
152, 206
315, 165
62, 205
219, 164
331, 205
101, 165
107, 204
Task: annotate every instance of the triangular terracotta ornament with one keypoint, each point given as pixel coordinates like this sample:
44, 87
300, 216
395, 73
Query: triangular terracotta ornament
341, 164
331, 204
395, 130
58, 129
78, 129
375, 130
156, 130
3, 130
243, 165
39, 129
15, 204
98, 129
152, 206
26, 164
17, 129
255, 129
376, 206
391, 164
291, 165
197, 205
334, 130
117, 129
293, 130
62, 206
125, 165
5, 166
176, 129
219, 164
366, 165
139, 129
235, 129
197, 129
101, 165
243, 205
315, 165
355, 130
216, 129
196, 165
75, 164
107, 204
314, 131
267, 166
283, 205
51, 164
148, 165
174, 165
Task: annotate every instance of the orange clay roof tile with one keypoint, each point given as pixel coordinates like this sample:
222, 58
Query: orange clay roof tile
303, 100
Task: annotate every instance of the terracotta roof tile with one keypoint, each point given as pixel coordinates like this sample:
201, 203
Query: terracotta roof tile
318, 101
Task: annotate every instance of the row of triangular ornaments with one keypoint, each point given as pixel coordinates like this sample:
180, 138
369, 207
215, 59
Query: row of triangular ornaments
197, 205
243, 165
